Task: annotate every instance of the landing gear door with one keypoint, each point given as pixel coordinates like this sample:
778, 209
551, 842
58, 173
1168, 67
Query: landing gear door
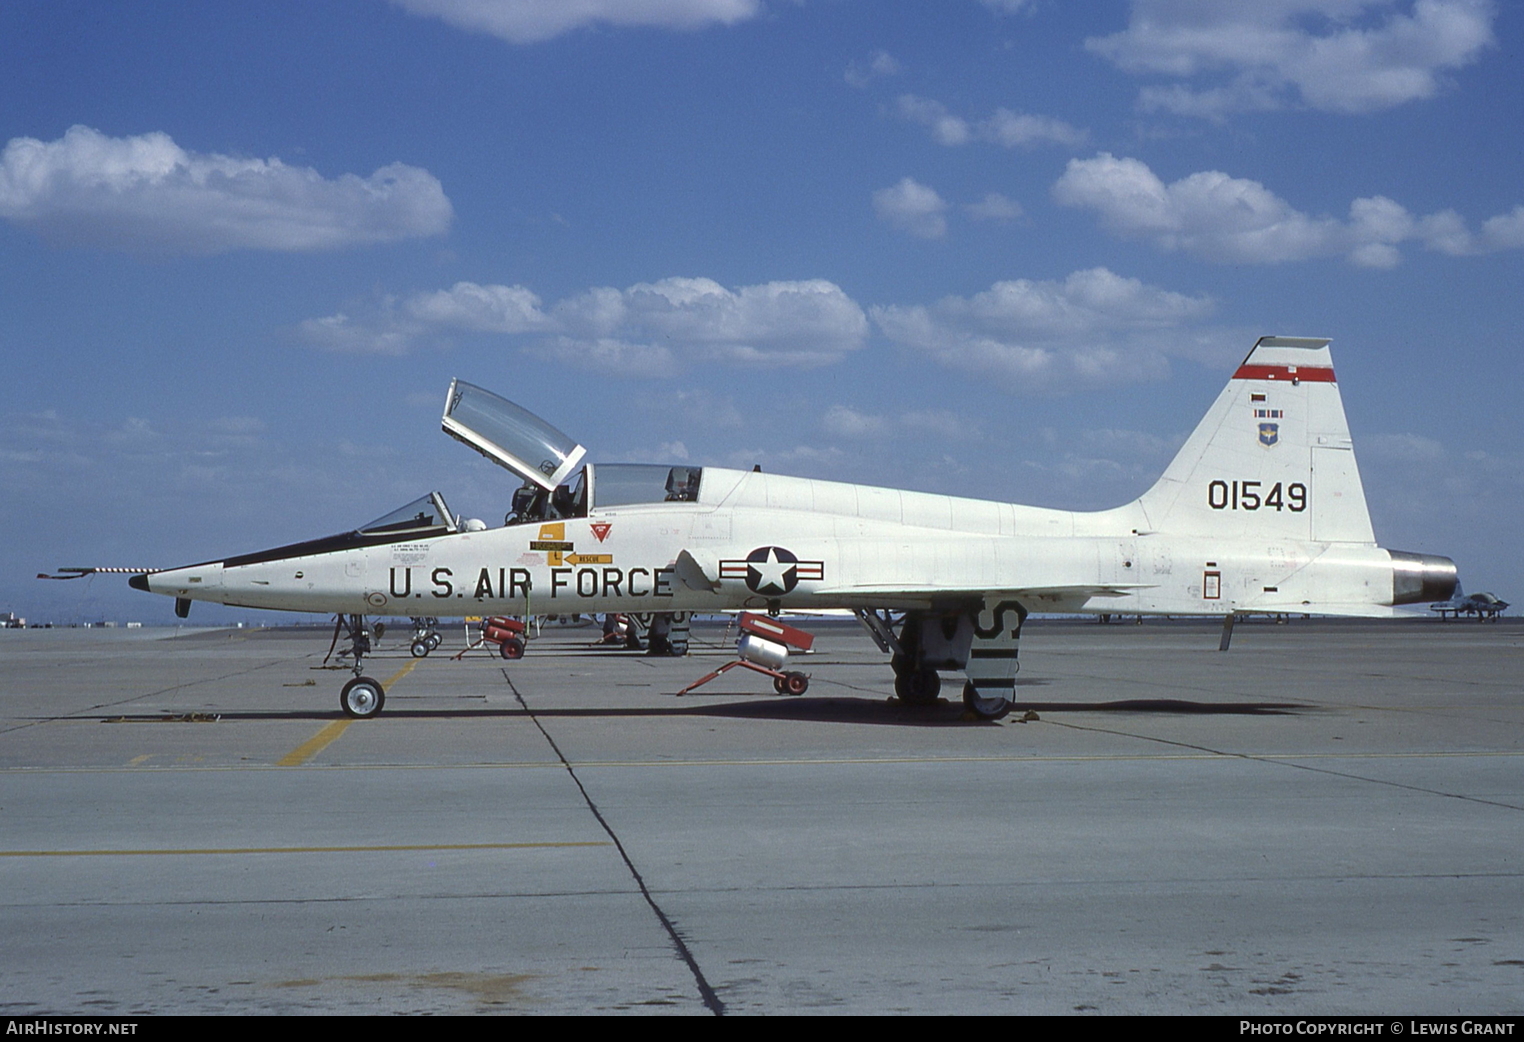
509, 435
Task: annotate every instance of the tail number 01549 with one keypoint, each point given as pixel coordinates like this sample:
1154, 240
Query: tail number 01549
1247, 495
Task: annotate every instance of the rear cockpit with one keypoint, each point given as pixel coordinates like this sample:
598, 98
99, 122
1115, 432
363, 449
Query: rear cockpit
548, 462
602, 486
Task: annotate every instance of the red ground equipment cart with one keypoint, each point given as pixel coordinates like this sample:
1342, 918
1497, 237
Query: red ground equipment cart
764, 647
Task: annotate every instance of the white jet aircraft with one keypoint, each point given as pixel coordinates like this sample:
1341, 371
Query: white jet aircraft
1261, 511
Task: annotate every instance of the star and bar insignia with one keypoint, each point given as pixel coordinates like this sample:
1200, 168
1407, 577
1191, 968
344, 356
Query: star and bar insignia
772, 571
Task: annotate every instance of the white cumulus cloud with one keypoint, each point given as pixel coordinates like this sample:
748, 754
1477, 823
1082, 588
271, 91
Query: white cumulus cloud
651, 328
531, 21
608, 355
1093, 327
912, 207
1446, 232
803, 322
994, 207
845, 422
1004, 127
145, 193
1348, 56
1234, 220
382, 333
490, 309
879, 65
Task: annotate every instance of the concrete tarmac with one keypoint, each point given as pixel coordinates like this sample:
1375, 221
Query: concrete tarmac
1325, 819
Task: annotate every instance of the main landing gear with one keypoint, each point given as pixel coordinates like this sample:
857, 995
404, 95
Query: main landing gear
659, 633
980, 641
363, 697
915, 687
426, 636
986, 707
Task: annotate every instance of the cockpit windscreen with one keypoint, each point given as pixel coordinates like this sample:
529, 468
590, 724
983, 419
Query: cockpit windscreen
423, 515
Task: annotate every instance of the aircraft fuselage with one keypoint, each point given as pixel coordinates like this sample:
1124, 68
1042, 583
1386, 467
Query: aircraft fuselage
714, 556
1261, 510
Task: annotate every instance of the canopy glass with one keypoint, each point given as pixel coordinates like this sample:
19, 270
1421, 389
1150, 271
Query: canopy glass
510, 435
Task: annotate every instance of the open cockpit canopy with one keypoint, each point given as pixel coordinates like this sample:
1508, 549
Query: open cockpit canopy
510, 435
548, 462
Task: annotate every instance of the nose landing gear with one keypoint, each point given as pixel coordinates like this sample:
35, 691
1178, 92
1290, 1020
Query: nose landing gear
363, 697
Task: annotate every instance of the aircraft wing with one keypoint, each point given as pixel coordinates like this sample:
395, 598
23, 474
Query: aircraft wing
1072, 598
700, 570
927, 595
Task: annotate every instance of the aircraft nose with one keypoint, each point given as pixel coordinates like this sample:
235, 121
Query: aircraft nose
197, 581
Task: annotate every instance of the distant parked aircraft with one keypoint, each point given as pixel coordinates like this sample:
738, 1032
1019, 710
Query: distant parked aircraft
1482, 605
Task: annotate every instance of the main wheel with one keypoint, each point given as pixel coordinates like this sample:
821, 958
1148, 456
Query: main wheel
795, 683
919, 687
986, 707
513, 648
433, 640
362, 698
421, 648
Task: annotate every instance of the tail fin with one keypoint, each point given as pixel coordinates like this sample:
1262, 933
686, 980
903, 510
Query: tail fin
1273, 457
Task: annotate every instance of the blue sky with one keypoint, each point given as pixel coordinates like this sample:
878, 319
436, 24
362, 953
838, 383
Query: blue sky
1002, 249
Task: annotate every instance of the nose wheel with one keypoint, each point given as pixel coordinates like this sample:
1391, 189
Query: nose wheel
362, 698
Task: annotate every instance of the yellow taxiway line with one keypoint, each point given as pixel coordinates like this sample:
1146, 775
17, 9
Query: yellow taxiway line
330, 732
